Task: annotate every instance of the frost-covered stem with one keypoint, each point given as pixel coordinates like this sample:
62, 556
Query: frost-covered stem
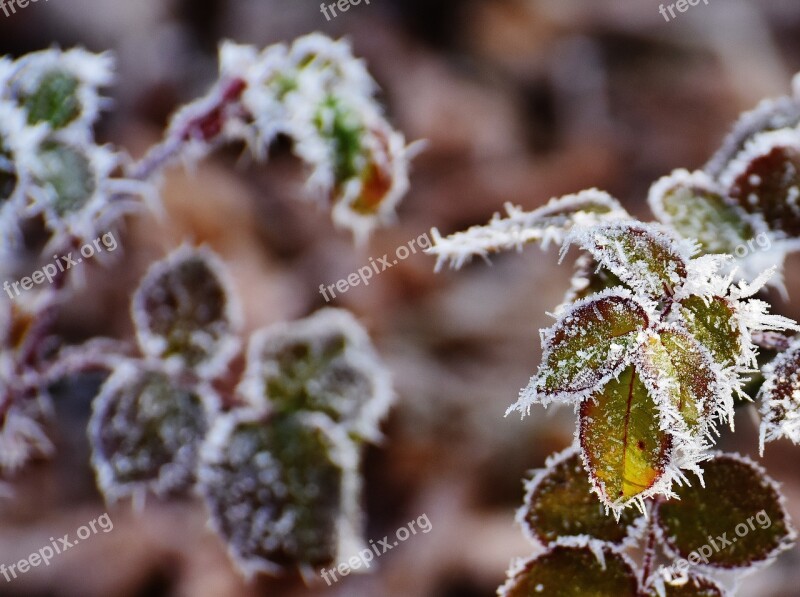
650, 546
205, 126
772, 340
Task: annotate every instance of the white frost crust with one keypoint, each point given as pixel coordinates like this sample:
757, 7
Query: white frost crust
760, 145
663, 577
128, 373
786, 543
532, 393
343, 453
545, 225
598, 548
359, 354
222, 349
773, 428
611, 255
635, 529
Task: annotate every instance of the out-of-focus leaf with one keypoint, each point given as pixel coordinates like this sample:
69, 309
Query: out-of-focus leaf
625, 449
67, 174
282, 491
183, 309
323, 363
764, 179
643, 256
715, 324
54, 101
573, 571
779, 397
735, 521
559, 503
694, 205
146, 431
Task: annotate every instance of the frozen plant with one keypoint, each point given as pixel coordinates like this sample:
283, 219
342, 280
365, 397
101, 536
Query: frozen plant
655, 344
274, 450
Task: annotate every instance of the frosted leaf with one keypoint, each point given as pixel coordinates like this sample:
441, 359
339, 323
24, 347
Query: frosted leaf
184, 310
282, 491
738, 507
324, 363
548, 224
573, 570
687, 585
678, 366
624, 447
61, 88
644, 256
590, 343
769, 115
146, 429
779, 398
713, 321
559, 503
764, 180
694, 205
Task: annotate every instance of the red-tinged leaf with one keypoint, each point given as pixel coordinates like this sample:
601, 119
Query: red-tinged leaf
589, 344
764, 179
624, 447
647, 258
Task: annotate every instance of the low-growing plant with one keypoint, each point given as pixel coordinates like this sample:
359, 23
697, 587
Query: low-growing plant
274, 451
655, 345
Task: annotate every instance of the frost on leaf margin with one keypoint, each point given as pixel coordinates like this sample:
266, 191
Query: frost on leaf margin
548, 224
589, 344
325, 363
282, 490
559, 502
691, 585
185, 312
573, 567
647, 257
779, 398
737, 501
145, 431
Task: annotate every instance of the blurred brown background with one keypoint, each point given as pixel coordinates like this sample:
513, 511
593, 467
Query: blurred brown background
520, 100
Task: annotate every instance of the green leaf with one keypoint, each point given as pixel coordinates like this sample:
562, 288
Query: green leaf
765, 180
282, 491
68, 175
714, 323
183, 309
54, 101
559, 503
684, 369
566, 571
693, 204
145, 432
589, 343
643, 256
735, 521
624, 448
692, 585
323, 363
779, 398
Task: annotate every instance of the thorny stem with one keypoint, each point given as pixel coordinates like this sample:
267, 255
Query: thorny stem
206, 127
650, 547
